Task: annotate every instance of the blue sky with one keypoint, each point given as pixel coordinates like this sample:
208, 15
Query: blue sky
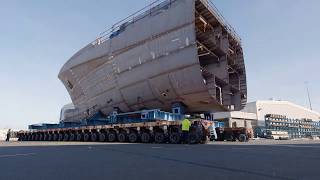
280, 39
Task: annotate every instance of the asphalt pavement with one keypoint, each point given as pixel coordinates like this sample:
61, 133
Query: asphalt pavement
95, 161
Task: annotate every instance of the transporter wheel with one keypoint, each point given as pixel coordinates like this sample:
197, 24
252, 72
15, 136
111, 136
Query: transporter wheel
78, 137
72, 137
86, 137
50, 137
145, 137
242, 138
133, 137
55, 137
194, 138
94, 137
33, 137
112, 137
45, 137
122, 137
41, 137
174, 138
29, 137
66, 137
36, 137
102, 137
20, 138
159, 138
24, 137
60, 137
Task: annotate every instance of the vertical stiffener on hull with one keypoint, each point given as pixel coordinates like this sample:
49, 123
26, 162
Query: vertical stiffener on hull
175, 51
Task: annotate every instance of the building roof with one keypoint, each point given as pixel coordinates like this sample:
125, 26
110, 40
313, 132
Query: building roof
279, 102
289, 109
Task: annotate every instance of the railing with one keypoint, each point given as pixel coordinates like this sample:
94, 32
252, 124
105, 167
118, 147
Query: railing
120, 26
221, 19
157, 5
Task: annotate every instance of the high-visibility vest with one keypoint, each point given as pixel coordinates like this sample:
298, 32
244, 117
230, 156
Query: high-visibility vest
186, 125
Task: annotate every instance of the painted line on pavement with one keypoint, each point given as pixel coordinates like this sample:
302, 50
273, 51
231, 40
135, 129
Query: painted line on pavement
15, 155
292, 145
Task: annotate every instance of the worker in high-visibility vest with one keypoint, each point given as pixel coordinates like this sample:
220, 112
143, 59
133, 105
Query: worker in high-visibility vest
186, 124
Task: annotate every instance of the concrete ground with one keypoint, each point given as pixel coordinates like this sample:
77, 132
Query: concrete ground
259, 159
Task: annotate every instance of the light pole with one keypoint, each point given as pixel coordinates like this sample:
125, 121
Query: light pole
310, 105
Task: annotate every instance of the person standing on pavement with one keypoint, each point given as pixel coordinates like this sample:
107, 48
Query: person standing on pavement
185, 130
8, 135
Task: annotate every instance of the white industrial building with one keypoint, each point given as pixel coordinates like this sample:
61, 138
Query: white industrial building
285, 108
253, 114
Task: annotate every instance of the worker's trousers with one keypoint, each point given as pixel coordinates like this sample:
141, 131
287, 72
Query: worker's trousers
185, 137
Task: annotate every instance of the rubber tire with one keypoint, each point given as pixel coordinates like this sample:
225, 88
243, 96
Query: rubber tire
72, 137
102, 137
78, 137
193, 138
174, 138
145, 137
242, 138
112, 137
159, 138
93, 137
86, 137
55, 137
122, 137
31, 137
133, 137
36, 137
23, 137
66, 137
60, 137
40, 137
20, 137
27, 137
45, 137
50, 137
